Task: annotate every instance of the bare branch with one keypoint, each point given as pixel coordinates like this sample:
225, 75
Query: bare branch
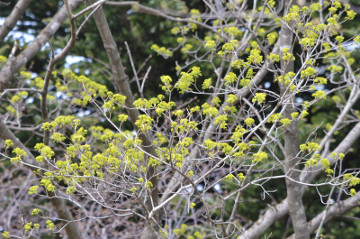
59, 204
274, 213
12, 19
334, 211
123, 86
12, 65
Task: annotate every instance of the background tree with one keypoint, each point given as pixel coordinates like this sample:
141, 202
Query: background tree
230, 119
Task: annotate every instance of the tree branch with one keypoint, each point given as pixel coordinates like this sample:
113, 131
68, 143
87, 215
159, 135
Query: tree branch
334, 211
59, 204
12, 19
307, 175
291, 145
122, 84
14, 64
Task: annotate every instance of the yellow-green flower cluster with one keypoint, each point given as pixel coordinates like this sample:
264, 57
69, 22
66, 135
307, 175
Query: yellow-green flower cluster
274, 118
272, 37
309, 146
33, 190
255, 56
144, 123
259, 98
230, 78
249, 121
221, 120
286, 55
238, 134
319, 95
61, 121
293, 14
92, 88
19, 154
47, 184
210, 111
308, 72
50, 225
30, 226
207, 84
46, 151
166, 53
8, 143
35, 211
187, 79
259, 156
184, 125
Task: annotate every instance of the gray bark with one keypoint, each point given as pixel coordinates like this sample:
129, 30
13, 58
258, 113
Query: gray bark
14, 64
12, 19
122, 84
243, 92
59, 204
293, 189
334, 211
309, 174
275, 213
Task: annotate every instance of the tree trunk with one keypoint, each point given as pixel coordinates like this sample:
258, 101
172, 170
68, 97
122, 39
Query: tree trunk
122, 84
293, 189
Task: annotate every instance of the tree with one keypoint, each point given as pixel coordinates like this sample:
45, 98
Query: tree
256, 120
